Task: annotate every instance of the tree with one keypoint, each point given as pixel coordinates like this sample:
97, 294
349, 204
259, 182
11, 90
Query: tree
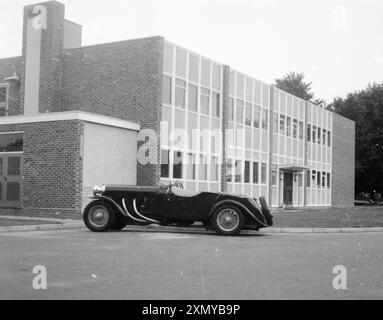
293, 83
365, 107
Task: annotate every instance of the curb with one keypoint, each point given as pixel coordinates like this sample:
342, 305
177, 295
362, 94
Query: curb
199, 230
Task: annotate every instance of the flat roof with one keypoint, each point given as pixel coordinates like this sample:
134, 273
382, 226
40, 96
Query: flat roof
71, 115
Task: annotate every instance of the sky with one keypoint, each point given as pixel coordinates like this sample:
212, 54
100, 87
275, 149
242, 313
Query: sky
337, 44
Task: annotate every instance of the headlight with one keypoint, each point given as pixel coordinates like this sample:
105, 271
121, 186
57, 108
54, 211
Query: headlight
98, 190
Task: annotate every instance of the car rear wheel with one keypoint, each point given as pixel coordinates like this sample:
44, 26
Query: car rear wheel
228, 220
99, 217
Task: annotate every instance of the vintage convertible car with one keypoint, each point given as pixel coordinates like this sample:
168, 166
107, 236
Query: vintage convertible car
114, 207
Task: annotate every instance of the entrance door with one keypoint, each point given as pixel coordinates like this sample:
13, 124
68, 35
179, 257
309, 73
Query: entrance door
10, 180
288, 188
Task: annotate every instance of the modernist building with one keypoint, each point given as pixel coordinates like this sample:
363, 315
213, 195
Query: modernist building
70, 116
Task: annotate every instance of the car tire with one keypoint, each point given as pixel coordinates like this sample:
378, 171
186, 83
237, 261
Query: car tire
119, 223
99, 216
228, 220
266, 211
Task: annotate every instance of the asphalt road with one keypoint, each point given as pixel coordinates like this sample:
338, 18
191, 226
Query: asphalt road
137, 265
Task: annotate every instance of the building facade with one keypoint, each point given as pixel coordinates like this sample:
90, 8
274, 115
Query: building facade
63, 105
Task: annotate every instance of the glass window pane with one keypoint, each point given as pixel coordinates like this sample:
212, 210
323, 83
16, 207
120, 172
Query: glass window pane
240, 111
229, 170
249, 109
3, 94
177, 165
288, 127
265, 115
11, 142
301, 130
309, 132
238, 171
214, 169
247, 171
193, 68
257, 116
314, 134
308, 178
167, 90
191, 167
216, 105
203, 168
193, 97
231, 109
240, 85
319, 135
180, 93
274, 178
14, 166
295, 128
282, 124
216, 77
181, 63
205, 100
264, 173
255, 172
205, 73
328, 181
275, 122
13, 191
168, 58
329, 138
164, 163
1, 167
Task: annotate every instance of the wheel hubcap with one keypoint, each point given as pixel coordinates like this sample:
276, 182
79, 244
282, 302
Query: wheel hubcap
228, 220
98, 216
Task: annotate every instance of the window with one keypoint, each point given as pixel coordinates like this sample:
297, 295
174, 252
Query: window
328, 181
203, 168
282, 120
249, 109
300, 130
295, 128
238, 171
274, 177
309, 132
193, 68
167, 90
181, 63
216, 77
324, 135
191, 167
231, 109
11, 142
308, 178
205, 100
164, 163
177, 165
247, 171
323, 179
264, 173
180, 93
216, 105
3, 100
255, 173
313, 177
193, 97
314, 134
205, 73
257, 116
319, 135
288, 127
168, 58
300, 180
275, 122
239, 111
318, 179
214, 169
265, 115
229, 170
328, 138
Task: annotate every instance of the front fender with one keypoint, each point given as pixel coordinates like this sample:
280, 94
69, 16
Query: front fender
111, 202
259, 220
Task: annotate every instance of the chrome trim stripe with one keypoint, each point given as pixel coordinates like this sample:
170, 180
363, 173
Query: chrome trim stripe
142, 216
128, 213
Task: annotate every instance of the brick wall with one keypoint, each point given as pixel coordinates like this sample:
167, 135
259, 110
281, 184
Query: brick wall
121, 80
52, 167
343, 161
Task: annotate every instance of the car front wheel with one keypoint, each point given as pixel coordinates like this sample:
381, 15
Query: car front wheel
228, 220
99, 217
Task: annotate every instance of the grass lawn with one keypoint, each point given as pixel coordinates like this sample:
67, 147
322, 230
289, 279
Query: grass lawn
357, 217
8, 222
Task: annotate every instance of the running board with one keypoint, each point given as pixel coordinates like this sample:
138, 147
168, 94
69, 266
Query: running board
142, 216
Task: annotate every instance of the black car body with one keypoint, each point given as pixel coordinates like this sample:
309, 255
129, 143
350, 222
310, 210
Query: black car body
114, 207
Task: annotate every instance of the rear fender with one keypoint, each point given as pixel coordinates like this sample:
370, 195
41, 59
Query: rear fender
240, 206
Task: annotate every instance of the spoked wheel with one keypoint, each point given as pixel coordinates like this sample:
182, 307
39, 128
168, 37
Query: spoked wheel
228, 220
99, 217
